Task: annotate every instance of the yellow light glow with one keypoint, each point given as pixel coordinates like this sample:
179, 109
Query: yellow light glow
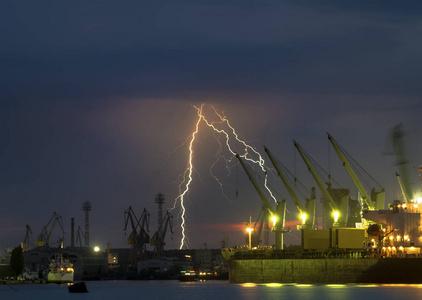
391, 237
406, 237
404, 206
249, 230
401, 248
273, 284
303, 285
249, 284
274, 218
96, 248
303, 217
336, 285
398, 238
336, 214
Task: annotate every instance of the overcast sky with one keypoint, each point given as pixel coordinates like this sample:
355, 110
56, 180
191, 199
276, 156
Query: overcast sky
96, 104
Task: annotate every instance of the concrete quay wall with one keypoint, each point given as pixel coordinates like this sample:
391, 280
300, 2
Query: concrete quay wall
348, 270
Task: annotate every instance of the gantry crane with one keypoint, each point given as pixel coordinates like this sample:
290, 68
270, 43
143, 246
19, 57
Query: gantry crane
158, 239
26, 245
139, 236
44, 238
307, 214
339, 212
377, 198
277, 214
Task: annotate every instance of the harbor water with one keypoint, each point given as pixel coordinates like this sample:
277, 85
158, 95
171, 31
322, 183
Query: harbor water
203, 290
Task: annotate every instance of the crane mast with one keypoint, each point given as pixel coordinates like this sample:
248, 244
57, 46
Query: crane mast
261, 223
279, 213
139, 236
44, 238
158, 239
378, 199
397, 136
26, 245
307, 214
340, 215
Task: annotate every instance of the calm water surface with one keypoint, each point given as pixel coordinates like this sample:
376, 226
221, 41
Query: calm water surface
209, 290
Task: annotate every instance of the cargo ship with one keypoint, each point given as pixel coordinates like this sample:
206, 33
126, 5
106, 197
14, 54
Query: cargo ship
362, 242
388, 251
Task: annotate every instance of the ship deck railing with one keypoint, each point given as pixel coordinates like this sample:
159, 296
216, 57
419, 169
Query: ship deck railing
286, 254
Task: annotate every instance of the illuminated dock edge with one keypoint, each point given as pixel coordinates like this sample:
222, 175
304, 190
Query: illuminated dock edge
325, 270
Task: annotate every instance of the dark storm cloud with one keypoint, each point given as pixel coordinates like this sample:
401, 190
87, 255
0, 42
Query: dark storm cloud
95, 97
96, 49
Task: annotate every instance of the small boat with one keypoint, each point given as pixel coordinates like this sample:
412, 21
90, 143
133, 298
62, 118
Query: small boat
188, 276
60, 270
78, 287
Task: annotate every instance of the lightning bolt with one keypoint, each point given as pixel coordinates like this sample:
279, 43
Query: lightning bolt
188, 180
260, 161
187, 174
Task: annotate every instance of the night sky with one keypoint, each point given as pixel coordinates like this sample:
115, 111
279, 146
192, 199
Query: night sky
96, 104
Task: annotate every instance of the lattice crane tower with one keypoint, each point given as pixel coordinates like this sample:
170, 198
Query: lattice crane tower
159, 199
86, 208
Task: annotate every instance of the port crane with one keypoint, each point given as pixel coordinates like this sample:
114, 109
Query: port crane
397, 138
307, 214
158, 239
80, 236
339, 211
44, 238
377, 198
139, 236
26, 245
278, 215
260, 224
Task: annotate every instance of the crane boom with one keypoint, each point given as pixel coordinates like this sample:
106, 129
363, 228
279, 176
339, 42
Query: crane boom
279, 213
403, 188
139, 236
378, 202
318, 181
44, 238
308, 214
285, 182
397, 136
255, 184
158, 239
340, 215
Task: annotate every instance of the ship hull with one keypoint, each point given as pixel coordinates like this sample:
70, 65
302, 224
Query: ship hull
339, 270
60, 277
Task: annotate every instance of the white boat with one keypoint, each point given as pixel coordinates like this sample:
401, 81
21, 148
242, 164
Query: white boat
60, 270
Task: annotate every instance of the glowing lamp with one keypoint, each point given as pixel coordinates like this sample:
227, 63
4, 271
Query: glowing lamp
274, 218
249, 230
96, 249
303, 217
336, 214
